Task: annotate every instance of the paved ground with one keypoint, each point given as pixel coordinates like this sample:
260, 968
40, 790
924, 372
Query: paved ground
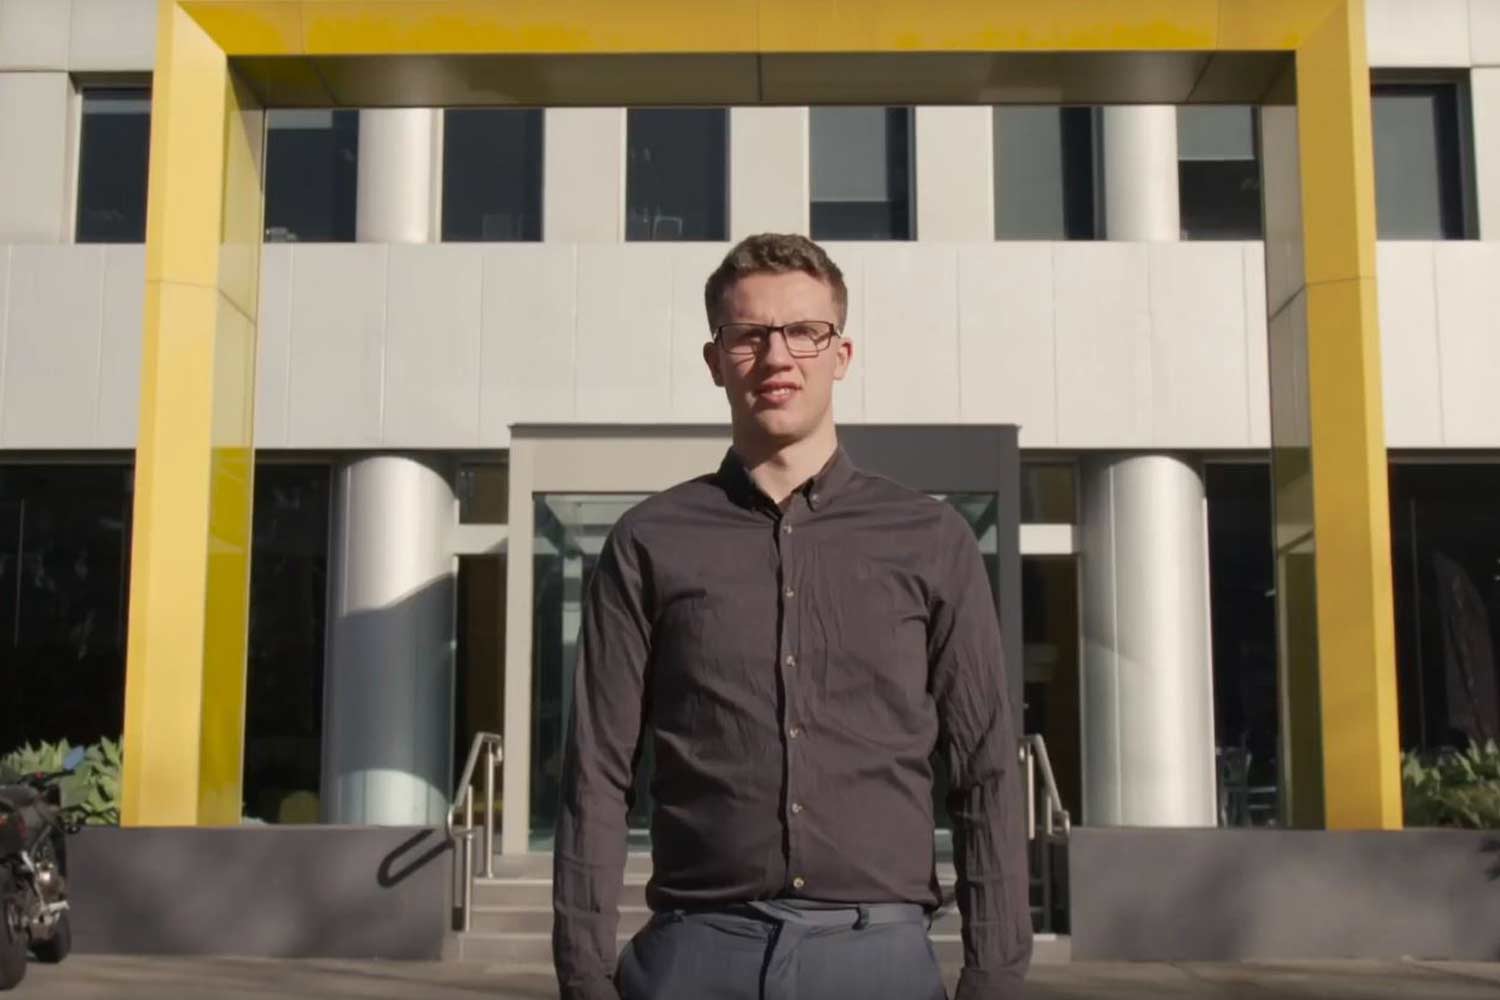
91, 977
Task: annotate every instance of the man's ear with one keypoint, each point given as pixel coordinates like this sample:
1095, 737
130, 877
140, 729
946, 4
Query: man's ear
711, 358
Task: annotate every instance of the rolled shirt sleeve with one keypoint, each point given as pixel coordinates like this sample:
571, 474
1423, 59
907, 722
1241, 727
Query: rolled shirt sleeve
985, 801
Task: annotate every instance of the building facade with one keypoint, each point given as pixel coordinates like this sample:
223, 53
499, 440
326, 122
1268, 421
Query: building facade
479, 344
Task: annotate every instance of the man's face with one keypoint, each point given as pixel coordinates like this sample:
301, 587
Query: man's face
777, 397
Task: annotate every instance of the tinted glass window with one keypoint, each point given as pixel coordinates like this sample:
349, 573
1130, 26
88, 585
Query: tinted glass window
1045, 176
1218, 173
113, 150
1419, 173
677, 174
861, 173
492, 174
312, 172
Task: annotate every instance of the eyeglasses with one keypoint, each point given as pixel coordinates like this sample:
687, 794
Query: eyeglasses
804, 339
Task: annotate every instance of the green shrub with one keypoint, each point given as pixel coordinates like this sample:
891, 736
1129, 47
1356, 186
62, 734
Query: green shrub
93, 788
1453, 787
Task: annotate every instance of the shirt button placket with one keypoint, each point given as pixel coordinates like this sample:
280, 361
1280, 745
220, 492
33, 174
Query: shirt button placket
790, 607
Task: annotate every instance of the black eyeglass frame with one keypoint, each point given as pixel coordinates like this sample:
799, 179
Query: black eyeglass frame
764, 341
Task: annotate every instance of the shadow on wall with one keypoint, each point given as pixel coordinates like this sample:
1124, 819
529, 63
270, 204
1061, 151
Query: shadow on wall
285, 892
389, 701
1232, 895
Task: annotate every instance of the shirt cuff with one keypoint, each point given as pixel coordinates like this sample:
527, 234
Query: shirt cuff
977, 984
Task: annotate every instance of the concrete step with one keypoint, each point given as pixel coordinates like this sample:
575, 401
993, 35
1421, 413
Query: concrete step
534, 948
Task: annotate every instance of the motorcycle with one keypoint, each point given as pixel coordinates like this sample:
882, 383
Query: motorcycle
34, 826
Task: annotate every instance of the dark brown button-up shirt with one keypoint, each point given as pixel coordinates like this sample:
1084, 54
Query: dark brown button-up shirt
796, 667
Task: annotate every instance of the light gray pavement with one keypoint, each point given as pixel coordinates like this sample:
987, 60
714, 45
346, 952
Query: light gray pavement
93, 977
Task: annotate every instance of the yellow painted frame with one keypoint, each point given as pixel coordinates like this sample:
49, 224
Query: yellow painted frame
190, 576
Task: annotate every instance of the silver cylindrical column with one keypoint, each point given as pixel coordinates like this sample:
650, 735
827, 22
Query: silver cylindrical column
1148, 708
394, 202
388, 692
1140, 174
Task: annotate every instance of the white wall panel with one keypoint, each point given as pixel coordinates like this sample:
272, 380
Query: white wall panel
695, 398
955, 174
1484, 32
911, 333
527, 335
1005, 316
5, 254
274, 346
115, 35
432, 345
33, 156
52, 346
1198, 350
1103, 344
34, 34
338, 345
120, 346
1409, 344
1422, 33
768, 178
849, 395
583, 182
1468, 306
624, 332
1484, 89
1257, 373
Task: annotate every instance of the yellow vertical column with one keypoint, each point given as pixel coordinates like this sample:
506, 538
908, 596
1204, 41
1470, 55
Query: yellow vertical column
1355, 632
190, 572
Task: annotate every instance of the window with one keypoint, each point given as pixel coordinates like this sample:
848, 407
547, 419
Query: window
1218, 173
492, 174
284, 657
677, 174
312, 165
1242, 572
1445, 555
862, 174
113, 149
1420, 162
1046, 184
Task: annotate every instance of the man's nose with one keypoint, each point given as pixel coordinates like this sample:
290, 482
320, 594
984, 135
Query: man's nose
778, 355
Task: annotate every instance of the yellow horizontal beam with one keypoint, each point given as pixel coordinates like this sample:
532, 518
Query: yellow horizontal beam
612, 27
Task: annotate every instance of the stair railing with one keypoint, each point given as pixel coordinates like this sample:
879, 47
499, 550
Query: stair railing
461, 835
1056, 824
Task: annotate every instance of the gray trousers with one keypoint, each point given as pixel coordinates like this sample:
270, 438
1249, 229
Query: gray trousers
782, 951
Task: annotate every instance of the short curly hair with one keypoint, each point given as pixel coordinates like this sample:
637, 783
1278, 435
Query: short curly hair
774, 253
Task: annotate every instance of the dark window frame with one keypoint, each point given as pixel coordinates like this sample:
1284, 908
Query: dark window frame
1186, 166
533, 224
1457, 175
123, 88
717, 229
901, 199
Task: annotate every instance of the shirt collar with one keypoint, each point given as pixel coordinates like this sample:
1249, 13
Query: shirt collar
823, 487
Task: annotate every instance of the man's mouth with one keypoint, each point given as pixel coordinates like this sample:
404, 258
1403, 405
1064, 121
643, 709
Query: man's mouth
775, 392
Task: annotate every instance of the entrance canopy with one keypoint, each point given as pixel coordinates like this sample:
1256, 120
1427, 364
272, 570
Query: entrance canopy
222, 63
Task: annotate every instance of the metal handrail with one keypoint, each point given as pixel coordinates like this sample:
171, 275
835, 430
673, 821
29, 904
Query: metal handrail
493, 749
1033, 753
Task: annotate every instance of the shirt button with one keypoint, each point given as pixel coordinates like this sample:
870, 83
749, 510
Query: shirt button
786, 529
789, 593
794, 732
796, 808
790, 660
813, 498
798, 882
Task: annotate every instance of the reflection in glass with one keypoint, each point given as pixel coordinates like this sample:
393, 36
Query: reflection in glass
312, 174
284, 682
861, 173
1218, 172
64, 587
677, 174
1419, 162
1046, 177
1241, 568
492, 174
114, 147
570, 533
1445, 540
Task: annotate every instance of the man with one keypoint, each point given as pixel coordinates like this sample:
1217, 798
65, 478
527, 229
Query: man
796, 637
